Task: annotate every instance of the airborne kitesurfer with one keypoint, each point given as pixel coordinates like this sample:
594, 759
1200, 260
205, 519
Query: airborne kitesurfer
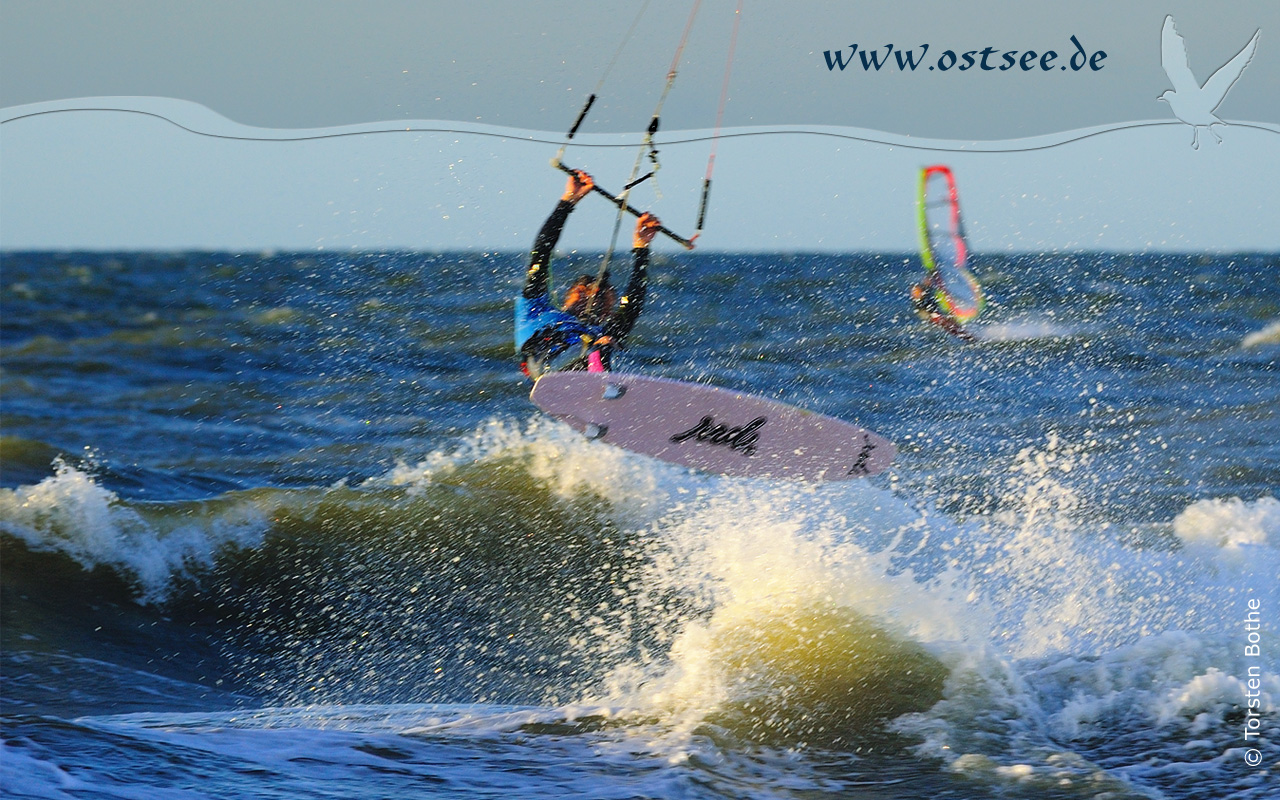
584, 331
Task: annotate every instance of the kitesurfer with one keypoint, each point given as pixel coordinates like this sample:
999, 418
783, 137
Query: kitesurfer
582, 333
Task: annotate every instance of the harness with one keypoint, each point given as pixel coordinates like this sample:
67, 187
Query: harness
549, 339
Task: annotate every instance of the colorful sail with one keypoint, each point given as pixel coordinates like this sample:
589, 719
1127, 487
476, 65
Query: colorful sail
943, 248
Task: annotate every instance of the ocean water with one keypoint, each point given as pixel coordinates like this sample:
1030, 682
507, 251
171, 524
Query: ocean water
286, 525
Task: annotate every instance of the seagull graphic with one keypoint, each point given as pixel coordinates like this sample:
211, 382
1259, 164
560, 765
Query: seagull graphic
1192, 103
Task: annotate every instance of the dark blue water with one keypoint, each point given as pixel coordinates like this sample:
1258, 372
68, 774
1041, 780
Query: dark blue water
287, 524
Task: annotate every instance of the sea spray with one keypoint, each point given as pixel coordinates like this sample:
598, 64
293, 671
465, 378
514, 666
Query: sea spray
791, 629
503, 566
1103, 641
785, 613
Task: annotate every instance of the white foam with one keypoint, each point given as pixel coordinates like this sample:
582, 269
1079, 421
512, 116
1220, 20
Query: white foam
71, 514
1025, 329
1230, 524
775, 579
1093, 636
724, 555
1260, 338
554, 454
24, 774
1216, 692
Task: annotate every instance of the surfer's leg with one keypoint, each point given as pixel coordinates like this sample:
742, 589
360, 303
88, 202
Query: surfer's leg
539, 353
596, 361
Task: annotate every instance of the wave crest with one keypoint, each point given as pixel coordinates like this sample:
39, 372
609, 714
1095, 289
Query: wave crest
70, 513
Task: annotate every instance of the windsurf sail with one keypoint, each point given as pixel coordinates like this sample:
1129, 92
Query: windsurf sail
943, 248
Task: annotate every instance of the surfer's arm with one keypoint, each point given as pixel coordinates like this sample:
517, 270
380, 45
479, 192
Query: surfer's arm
535, 280
632, 302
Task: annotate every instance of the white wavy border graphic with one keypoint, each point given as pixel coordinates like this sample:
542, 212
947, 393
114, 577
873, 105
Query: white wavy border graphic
203, 121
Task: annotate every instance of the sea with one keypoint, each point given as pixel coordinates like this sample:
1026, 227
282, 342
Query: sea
286, 524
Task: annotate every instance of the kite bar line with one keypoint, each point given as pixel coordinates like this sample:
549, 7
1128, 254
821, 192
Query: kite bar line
591, 99
645, 147
581, 116
623, 205
715, 138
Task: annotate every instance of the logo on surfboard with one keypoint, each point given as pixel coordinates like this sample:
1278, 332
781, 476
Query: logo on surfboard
860, 465
741, 439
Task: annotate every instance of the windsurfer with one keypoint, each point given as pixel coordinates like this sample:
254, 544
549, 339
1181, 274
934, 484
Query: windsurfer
924, 302
582, 333
949, 295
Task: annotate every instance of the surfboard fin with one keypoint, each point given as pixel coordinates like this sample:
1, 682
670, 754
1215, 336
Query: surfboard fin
613, 391
594, 431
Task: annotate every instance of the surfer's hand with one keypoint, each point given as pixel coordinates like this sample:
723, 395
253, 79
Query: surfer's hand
580, 183
646, 228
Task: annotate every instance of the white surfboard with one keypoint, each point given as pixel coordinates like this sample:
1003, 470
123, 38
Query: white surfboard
711, 429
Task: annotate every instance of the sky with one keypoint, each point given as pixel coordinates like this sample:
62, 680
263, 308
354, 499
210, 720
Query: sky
312, 124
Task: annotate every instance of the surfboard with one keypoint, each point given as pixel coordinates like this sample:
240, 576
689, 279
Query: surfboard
712, 429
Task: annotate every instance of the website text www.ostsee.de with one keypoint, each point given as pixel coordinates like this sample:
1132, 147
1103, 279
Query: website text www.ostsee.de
986, 59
